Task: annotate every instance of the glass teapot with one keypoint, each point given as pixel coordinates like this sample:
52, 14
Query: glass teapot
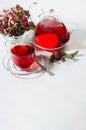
50, 31
52, 24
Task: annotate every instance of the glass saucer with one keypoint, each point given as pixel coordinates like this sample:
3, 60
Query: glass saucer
32, 72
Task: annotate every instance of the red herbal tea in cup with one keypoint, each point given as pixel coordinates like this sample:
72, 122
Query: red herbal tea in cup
23, 55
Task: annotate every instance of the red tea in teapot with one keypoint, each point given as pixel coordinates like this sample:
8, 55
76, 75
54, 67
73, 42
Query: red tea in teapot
60, 30
51, 24
47, 40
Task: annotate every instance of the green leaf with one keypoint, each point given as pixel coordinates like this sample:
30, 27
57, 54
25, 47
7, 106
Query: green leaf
72, 55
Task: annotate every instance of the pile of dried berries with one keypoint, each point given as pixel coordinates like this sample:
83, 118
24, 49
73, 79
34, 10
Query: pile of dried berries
15, 21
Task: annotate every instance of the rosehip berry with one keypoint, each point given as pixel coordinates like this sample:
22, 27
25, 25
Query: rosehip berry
5, 26
55, 56
14, 18
5, 10
2, 29
5, 19
12, 33
25, 22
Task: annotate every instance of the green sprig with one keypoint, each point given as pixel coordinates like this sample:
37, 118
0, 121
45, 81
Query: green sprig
69, 56
62, 56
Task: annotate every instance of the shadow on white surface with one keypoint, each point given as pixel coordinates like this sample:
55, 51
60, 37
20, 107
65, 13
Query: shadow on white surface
77, 40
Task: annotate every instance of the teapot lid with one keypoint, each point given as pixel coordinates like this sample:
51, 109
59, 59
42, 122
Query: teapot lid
50, 20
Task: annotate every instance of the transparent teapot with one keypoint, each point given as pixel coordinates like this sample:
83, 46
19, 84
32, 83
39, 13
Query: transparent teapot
50, 31
52, 24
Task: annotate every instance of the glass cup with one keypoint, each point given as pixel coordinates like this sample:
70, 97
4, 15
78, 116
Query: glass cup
22, 55
22, 60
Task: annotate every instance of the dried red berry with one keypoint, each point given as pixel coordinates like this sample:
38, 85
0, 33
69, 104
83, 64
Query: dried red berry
15, 21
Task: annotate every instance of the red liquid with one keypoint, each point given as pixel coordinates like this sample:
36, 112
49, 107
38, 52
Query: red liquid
23, 55
47, 40
55, 27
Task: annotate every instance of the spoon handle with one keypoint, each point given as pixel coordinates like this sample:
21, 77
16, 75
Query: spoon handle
44, 68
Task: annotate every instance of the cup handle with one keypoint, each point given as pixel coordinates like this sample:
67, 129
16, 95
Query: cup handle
8, 45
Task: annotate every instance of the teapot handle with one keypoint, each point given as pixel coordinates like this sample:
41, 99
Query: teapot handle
38, 12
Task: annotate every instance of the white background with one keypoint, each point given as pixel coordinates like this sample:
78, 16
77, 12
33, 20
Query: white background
48, 103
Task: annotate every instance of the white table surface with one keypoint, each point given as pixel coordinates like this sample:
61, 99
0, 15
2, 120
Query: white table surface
46, 102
